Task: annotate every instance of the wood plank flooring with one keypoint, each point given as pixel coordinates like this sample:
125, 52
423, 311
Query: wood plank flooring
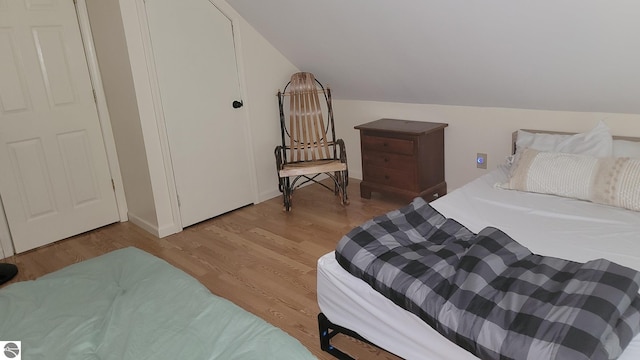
260, 257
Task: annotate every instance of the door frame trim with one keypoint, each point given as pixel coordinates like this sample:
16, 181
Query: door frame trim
6, 242
154, 87
101, 106
159, 114
237, 40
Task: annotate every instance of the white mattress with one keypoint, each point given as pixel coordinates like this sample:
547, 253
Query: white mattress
547, 225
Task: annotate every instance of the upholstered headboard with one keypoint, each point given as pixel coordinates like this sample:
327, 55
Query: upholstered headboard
514, 136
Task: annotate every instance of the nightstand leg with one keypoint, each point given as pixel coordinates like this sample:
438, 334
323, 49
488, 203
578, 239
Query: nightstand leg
365, 193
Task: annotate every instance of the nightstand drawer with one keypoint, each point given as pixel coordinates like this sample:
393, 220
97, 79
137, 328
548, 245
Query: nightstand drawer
404, 179
388, 161
388, 145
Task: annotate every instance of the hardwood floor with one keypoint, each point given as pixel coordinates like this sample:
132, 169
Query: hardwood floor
260, 257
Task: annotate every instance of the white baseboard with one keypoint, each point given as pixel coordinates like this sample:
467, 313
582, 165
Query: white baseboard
158, 231
168, 230
145, 225
267, 195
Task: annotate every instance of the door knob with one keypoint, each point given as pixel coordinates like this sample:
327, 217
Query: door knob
237, 104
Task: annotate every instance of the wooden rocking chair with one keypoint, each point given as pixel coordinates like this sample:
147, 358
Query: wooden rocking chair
309, 145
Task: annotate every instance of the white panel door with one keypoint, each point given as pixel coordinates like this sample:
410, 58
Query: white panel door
194, 56
54, 176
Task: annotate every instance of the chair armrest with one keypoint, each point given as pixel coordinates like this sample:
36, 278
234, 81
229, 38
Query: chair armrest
280, 156
343, 150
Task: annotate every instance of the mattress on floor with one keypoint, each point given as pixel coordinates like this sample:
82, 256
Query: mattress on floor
128, 304
548, 225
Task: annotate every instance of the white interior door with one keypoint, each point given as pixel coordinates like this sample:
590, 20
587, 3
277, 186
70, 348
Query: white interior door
195, 63
54, 179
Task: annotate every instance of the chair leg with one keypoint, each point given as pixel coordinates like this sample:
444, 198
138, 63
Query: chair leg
340, 189
344, 181
286, 194
287, 201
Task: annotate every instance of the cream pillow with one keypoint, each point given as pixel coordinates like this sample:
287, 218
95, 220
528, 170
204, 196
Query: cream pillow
609, 181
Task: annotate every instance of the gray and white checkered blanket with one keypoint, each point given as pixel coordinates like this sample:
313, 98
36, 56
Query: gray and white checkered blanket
491, 295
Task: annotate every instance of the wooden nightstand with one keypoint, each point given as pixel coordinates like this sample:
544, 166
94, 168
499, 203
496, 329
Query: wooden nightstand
401, 157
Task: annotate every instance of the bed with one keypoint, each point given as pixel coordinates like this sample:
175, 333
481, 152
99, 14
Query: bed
552, 225
128, 304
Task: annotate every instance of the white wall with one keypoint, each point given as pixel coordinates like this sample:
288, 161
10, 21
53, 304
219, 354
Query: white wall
471, 130
113, 59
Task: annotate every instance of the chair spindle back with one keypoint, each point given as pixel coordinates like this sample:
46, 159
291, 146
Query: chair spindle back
307, 131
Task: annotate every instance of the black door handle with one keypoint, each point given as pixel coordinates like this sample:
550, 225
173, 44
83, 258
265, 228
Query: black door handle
237, 104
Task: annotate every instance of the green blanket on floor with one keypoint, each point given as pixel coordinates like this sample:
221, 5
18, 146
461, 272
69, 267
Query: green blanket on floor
128, 304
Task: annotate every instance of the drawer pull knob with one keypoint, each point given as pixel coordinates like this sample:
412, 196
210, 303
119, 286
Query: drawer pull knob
386, 177
436, 195
386, 159
385, 144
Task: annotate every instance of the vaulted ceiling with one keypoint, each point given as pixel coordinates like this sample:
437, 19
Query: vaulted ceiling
579, 55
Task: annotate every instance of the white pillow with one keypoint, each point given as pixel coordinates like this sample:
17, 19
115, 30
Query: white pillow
540, 142
626, 148
596, 142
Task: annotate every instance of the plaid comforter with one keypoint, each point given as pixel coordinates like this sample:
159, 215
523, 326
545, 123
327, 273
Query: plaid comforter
491, 295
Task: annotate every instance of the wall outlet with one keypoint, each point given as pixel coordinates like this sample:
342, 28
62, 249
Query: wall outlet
481, 161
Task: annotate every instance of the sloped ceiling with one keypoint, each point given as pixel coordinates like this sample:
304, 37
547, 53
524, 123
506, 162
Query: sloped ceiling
579, 55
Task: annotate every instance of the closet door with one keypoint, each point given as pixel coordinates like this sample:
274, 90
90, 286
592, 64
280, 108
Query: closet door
194, 56
54, 180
